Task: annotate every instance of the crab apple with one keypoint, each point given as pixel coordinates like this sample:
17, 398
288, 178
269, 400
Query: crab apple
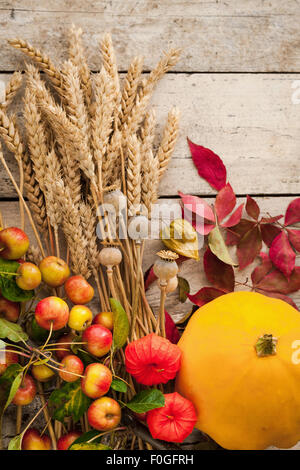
28, 276
32, 440
55, 271
98, 339
78, 290
104, 414
9, 310
6, 359
52, 310
65, 441
105, 319
80, 317
13, 243
42, 373
71, 367
26, 392
63, 345
97, 380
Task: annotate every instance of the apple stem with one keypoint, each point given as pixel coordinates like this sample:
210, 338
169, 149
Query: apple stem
49, 336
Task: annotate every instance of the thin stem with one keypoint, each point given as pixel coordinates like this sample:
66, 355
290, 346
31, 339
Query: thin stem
47, 415
21, 173
19, 419
56, 242
49, 336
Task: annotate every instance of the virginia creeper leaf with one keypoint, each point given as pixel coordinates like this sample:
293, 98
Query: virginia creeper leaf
12, 331
121, 324
269, 232
184, 288
225, 202
218, 247
275, 281
234, 234
172, 333
198, 206
149, 277
294, 238
282, 254
292, 215
219, 274
270, 220
69, 400
209, 165
249, 247
235, 217
262, 269
252, 208
205, 295
146, 400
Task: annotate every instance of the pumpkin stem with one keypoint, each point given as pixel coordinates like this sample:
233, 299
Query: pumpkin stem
266, 345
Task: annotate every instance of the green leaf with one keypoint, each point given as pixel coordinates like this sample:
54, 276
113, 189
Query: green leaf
119, 385
16, 442
13, 389
218, 247
184, 288
12, 331
75, 347
121, 324
8, 266
11, 291
9, 383
91, 446
69, 400
87, 436
146, 400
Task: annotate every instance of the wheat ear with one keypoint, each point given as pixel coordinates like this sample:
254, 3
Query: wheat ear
131, 83
77, 56
168, 141
133, 174
110, 64
12, 88
52, 188
41, 59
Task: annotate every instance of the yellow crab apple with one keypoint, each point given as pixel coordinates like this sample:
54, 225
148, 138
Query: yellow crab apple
28, 276
80, 317
32, 440
96, 381
78, 290
105, 319
104, 414
42, 373
71, 367
55, 271
13, 243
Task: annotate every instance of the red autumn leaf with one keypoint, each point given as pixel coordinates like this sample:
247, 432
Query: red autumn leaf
209, 165
221, 275
172, 333
294, 238
225, 202
234, 234
261, 270
205, 295
199, 225
149, 277
270, 220
235, 217
249, 247
275, 281
252, 208
292, 215
282, 254
269, 232
275, 295
198, 206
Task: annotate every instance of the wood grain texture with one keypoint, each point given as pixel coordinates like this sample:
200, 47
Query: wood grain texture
191, 270
249, 120
249, 35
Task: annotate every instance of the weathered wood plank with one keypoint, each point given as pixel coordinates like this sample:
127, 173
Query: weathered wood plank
252, 35
249, 120
191, 270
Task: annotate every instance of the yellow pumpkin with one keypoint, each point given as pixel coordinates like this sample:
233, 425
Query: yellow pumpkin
241, 369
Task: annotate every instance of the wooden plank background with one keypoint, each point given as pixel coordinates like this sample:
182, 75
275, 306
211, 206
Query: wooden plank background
235, 85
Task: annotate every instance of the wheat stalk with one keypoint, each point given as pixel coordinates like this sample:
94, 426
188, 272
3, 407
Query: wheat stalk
131, 83
33, 255
52, 181
168, 141
77, 56
41, 59
11, 90
133, 174
112, 163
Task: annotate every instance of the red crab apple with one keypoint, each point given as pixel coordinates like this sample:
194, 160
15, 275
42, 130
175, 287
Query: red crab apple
98, 339
104, 414
97, 380
28, 276
6, 359
26, 392
13, 243
63, 344
32, 440
78, 290
52, 311
80, 317
9, 310
105, 319
65, 441
55, 271
71, 367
